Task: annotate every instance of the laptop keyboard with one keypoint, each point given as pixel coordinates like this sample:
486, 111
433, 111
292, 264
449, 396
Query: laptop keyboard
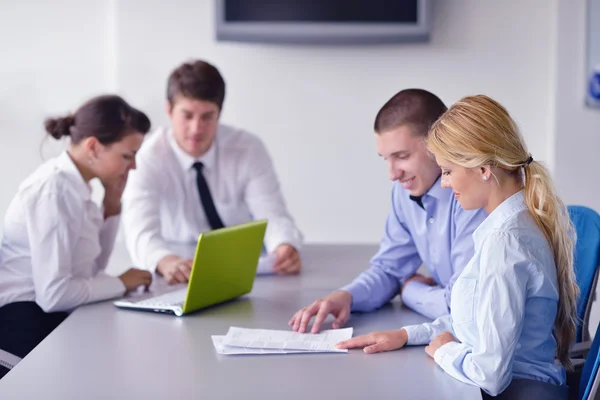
171, 299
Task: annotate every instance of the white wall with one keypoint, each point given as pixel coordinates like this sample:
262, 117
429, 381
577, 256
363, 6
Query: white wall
54, 56
314, 105
577, 127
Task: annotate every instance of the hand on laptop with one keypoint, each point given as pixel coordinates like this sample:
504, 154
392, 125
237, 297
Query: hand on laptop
134, 277
287, 260
175, 269
337, 304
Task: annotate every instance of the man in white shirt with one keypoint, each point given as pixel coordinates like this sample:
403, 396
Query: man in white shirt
200, 175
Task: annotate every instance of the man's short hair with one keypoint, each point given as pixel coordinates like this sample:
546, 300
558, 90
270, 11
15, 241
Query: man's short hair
416, 108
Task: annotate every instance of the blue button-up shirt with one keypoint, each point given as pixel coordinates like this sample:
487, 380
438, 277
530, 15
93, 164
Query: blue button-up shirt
503, 306
438, 236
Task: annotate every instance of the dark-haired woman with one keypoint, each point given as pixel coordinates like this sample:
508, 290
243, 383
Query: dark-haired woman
56, 240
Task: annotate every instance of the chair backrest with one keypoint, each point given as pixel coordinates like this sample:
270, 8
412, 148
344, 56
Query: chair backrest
587, 258
590, 380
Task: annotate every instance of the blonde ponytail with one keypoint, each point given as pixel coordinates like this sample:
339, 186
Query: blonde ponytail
552, 217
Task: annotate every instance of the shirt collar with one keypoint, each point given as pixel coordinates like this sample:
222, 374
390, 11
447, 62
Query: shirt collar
186, 161
65, 164
436, 190
501, 214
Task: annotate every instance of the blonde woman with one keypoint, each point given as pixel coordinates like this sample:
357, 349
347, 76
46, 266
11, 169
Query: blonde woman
513, 308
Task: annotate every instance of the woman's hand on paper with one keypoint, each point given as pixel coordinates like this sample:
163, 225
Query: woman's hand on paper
377, 342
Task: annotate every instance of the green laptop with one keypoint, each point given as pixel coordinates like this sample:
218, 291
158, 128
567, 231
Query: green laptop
224, 268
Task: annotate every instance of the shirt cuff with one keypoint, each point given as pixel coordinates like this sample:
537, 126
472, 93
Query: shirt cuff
276, 239
110, 226
445, 355
417, 334
107, 235
359, 293
104, 286
429, 301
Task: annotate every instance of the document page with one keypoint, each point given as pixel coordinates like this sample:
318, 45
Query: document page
229, 350
287, 340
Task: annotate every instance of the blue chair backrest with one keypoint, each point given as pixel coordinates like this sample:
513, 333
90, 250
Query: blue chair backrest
590, 369
587, 250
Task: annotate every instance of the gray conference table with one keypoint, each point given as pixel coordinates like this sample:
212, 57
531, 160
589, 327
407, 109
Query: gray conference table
101, 352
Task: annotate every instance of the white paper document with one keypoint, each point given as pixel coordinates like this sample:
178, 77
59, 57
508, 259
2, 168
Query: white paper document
267, 339
230, 350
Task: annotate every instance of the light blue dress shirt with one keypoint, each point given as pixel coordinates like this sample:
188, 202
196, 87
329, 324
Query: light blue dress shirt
503, 306
438, 236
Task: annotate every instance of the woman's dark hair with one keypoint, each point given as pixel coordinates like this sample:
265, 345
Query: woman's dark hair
108, 118
196, 80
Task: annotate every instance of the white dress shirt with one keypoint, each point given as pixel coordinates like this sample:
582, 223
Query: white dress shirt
503, 306
161, 202
56, 242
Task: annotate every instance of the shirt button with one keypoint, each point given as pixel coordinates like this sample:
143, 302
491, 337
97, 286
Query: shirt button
431, 220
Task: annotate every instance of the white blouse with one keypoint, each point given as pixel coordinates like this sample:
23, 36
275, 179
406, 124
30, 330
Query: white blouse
56, 243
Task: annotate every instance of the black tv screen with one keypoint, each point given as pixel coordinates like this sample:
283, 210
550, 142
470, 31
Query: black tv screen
342, 11
323, 21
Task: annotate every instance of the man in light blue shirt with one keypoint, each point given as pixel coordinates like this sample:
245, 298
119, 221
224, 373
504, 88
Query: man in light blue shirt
426, 224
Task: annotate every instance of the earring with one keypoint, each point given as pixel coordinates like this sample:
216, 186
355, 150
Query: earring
485, 178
